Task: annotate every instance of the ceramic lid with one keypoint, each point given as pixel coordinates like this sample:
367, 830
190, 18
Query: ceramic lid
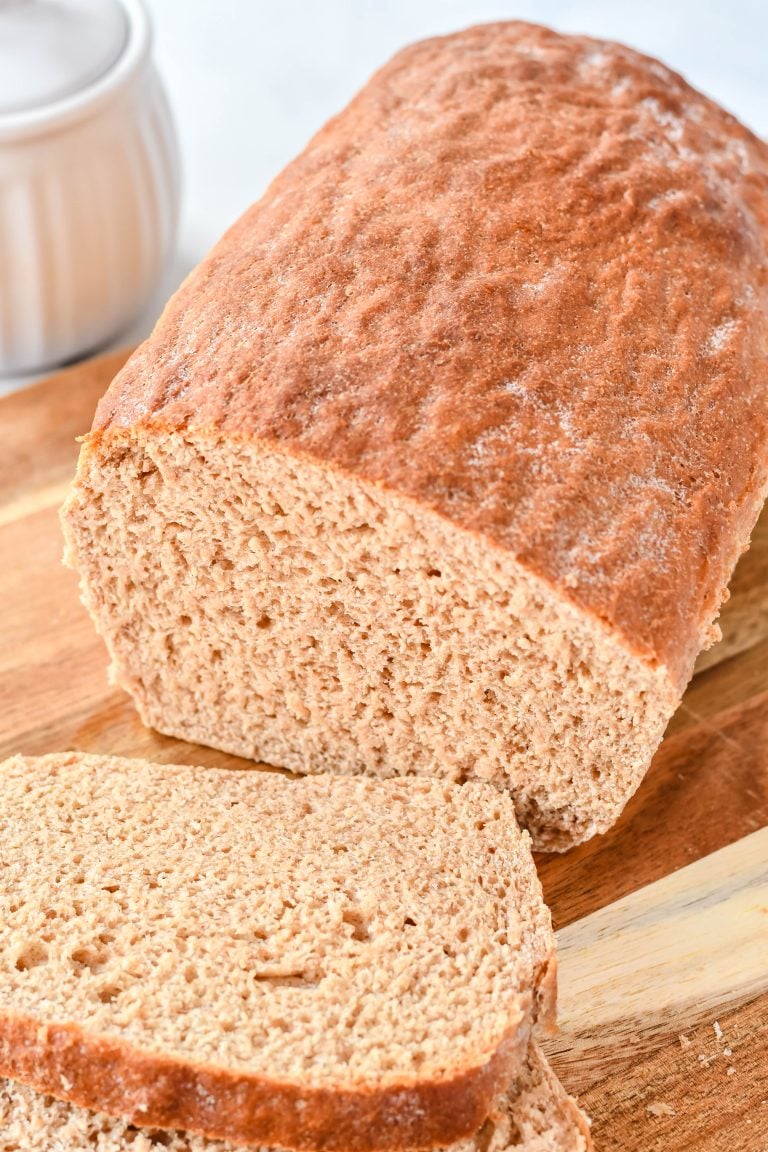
53, 49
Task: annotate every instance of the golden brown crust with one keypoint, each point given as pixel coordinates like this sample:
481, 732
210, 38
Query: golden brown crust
546, 996
522, 280
157, 1091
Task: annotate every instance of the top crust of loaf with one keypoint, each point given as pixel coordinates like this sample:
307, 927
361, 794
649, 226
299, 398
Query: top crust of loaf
520, 279
322, 963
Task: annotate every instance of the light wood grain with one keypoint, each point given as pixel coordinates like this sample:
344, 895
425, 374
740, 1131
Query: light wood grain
661, 993
707, 789
680, 949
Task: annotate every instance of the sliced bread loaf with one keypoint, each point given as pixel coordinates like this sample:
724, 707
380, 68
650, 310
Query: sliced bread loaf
324, 963
440, 463
536, 1115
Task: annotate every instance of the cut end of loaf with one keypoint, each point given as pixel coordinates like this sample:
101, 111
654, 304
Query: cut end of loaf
279, 611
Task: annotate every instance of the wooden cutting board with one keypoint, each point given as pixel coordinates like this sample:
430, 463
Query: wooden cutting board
662, 924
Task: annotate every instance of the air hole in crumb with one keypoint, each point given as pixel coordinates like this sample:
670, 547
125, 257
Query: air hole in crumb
109, 993
337, 848
185, 620
32, 957
449, 951
596, 773
112, 888
411, 923
157, 1139
190, 973
264, 621
89, 958
287, 979
434, 572
357, 922
462, 935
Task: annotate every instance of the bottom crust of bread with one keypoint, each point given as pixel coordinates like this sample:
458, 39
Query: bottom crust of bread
537, 1115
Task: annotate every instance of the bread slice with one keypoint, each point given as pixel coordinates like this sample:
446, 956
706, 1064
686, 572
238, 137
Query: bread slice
441, 461
535, 1116
325, 963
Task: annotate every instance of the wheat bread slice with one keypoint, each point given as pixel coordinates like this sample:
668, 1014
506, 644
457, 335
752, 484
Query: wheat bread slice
536, 1115
325, 963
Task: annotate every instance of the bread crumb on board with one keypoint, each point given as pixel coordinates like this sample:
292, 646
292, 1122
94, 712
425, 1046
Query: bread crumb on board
685, 1043
717, 1030
659, 1108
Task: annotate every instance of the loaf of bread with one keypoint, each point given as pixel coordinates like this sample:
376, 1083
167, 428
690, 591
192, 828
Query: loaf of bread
536, 1115
323, 963
440, 463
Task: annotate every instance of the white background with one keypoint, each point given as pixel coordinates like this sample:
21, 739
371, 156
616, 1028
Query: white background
251, 80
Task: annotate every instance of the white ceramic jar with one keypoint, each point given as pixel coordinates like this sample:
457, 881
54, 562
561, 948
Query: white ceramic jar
88, 176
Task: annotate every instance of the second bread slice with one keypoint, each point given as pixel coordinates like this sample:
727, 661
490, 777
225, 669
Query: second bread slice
535, 1115
324, 963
